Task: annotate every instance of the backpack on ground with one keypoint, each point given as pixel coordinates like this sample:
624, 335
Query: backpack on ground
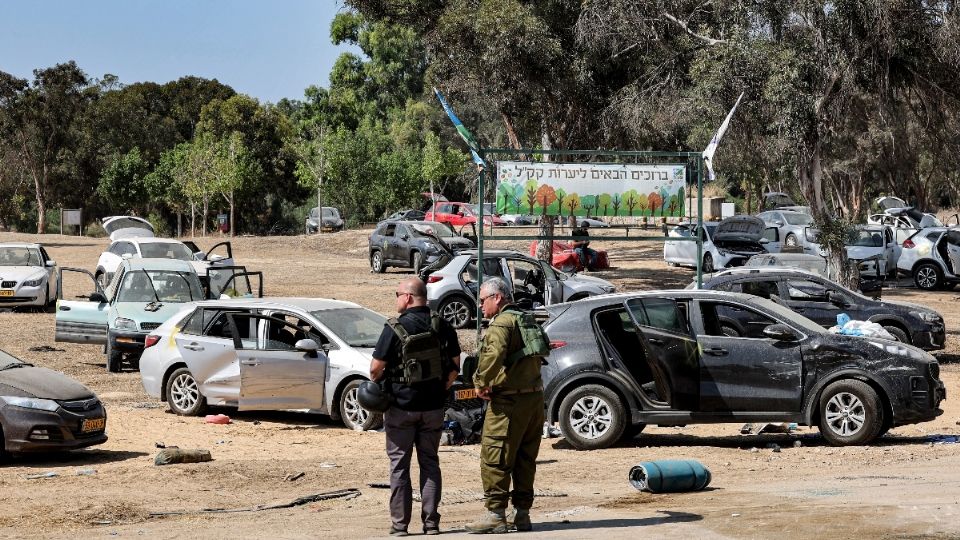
535, 340
421, 355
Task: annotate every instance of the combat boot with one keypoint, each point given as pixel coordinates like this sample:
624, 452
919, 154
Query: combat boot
519, 520
492, 522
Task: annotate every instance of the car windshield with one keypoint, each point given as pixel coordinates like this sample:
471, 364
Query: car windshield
159, 286
19, 256
358, 327
166, 250
330, 213
433, 229
865, 239
798, 219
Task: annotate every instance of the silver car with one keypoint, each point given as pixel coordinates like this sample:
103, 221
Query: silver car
264, 354
790, 224
452, 290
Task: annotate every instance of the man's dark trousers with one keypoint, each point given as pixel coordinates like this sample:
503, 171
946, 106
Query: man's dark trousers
406, 430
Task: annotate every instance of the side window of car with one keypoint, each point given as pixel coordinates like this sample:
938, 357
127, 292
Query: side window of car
730, 286
401, 231
491, 268
444, 208
763, 289
660, 313
389, 230
772, 234
806, 290
285, 330
217, 324
934, 236
193, 323
887, 236
682, 231
126, 248
733, 320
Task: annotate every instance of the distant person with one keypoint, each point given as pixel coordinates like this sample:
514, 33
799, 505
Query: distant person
419, 388
587, 256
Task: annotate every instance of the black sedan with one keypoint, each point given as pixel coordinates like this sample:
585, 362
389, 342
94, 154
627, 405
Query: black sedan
44, 410
622, 361
821, 300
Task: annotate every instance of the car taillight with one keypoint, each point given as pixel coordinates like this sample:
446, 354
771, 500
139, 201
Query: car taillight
150, 341
908, 243
434, 279
555, 344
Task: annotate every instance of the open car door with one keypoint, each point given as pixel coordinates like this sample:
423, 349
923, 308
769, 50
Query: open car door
81, 321
233, 281
220, 254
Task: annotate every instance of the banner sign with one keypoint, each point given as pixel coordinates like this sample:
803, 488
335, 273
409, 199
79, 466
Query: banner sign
589, 189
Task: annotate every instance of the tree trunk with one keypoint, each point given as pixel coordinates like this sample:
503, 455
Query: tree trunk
193, 219
206, 210
545, 247
231, 214
179, 224
511, 131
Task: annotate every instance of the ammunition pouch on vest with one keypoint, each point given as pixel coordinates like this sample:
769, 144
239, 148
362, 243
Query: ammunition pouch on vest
421, 355
535, 340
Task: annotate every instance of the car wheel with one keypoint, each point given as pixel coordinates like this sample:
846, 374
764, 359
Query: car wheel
114, 359
850, 413
457, 311
376, 262
592, 417
790, 240
898, 333
183, 394
50, 304
417, 262
928, 277
354, 416
707, 266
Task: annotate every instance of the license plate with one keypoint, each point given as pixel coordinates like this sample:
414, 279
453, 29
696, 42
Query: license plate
93, 424
6, 293
469, 393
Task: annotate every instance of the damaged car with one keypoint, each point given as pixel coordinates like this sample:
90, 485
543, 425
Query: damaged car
411, 244
925, 257
725, 244
42, 410
265, 354
662, 357
28, 276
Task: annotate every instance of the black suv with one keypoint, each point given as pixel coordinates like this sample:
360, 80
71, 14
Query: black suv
622, 361
821, 300
412, 244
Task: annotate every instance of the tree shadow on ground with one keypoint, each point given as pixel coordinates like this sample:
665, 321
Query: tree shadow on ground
669, 517
72, 458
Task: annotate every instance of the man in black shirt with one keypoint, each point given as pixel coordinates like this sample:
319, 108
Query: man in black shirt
416, 416
588, 257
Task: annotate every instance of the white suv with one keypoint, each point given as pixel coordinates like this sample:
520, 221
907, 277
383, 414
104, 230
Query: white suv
924, 256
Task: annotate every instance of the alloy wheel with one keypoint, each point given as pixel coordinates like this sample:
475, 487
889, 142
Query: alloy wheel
591, 417
927, 277
456, 313
845, 414
185, 392
355, 413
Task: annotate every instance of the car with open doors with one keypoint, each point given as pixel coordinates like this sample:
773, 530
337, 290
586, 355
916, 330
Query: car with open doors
265, 354
726, 244
622, 361
925, 257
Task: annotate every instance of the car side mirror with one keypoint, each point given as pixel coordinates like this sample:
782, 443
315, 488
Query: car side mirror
51, 264
308, 346
98, 297
764, 240
835, 299
778, 223
779, 332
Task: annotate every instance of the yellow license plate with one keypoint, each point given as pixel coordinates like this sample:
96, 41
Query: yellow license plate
469, 393
6, 293
93, 424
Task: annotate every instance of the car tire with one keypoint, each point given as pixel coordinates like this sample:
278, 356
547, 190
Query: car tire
898, 333
592, 417
707, 266
352, 414
790, 240
928, 277
376, 262
50, 304
457, 310
114, 359
416, 262
183, 394
851, 413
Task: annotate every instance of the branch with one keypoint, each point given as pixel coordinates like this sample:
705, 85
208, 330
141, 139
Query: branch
681, 24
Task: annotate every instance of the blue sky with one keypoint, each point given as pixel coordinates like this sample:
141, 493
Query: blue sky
269, 50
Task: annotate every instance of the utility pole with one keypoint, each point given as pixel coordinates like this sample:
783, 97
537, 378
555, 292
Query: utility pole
320, 187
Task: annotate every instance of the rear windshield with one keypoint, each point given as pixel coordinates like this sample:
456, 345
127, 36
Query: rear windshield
166, 250
798, 219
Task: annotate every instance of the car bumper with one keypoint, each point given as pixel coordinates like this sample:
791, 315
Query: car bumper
920, 402
127, 341
24, 296
931, 340
33, 430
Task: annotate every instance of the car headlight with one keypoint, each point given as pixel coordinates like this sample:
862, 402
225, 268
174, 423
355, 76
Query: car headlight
926, 316
32, 403
121, 323
32, 283
723, 252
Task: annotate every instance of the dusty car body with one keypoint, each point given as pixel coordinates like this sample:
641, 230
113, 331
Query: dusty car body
411, 244
28, 276
726, 244
873, 248
661, 357
42, 410
924, 256
452, 290
790, 224
821, 300
330, 222
264, 354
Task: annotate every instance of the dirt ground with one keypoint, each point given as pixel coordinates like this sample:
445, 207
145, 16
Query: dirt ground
904, 486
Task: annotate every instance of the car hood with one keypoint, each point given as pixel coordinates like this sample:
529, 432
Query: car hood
41, 383
458, 243
740, 228
590, 280
907, 306
135, 311
21, 273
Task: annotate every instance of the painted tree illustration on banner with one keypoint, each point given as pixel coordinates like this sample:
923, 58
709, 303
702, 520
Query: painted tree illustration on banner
631, 199
681, 201
531, 194
573, 201
672, 205
603, 201
518, 193
505, 193
545, 196
616, 200
642, 203
561, 195
664, 200
654, 201
588, 203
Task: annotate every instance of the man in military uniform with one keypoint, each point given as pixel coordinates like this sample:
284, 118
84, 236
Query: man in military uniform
514, 420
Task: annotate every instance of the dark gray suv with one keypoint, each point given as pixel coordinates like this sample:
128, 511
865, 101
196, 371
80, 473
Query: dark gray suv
411, 244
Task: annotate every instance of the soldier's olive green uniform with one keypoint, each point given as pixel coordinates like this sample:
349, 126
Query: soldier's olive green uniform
514, 420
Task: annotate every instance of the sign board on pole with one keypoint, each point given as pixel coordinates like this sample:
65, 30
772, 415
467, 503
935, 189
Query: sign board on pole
72, 217
727, 209
580, 189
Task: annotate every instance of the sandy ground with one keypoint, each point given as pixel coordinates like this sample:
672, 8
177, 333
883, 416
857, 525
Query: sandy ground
905, 486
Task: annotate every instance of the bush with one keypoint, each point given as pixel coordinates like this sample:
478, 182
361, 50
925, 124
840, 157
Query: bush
161, 228
94, 230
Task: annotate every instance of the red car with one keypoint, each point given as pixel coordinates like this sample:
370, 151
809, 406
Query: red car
458, 214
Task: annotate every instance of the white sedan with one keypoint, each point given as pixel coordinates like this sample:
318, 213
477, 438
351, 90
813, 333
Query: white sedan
28, 277
264, 354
